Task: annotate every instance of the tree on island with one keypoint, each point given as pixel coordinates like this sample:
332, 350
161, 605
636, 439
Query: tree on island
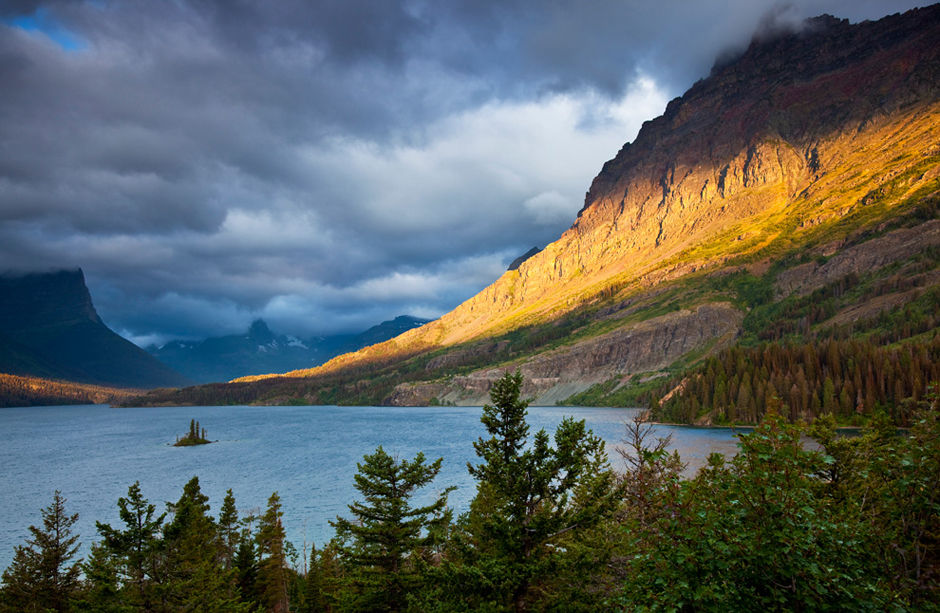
195, 436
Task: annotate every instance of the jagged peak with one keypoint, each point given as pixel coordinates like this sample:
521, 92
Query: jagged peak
259, 331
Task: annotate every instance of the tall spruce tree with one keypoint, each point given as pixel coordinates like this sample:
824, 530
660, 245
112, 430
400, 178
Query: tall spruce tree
229, 533
531, 499
42, 576
314, 601
137, 548
196, 580
388, 535
272, 579
245, 565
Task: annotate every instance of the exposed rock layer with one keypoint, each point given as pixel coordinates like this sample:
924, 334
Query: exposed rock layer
857, 259
557, 374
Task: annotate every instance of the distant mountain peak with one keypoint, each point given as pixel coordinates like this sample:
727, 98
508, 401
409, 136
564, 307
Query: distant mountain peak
260, 332
409, 319
260, 351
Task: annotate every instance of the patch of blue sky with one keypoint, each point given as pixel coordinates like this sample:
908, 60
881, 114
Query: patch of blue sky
41, 23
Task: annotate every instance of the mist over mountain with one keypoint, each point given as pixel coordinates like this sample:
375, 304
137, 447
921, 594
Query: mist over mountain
260, 350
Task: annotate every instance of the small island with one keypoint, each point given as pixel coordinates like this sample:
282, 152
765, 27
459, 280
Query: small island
195, 436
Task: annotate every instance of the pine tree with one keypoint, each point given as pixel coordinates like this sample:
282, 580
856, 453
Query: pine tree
532, 499
196, 581
387, 535
314, 602
136, 548
40, 577
246, 568
272, 560
101, 589
229, 535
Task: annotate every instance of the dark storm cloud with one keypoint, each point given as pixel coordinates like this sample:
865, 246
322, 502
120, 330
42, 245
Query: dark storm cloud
329, 164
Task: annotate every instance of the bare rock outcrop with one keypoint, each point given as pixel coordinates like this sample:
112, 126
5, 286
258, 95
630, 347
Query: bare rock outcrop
873, 254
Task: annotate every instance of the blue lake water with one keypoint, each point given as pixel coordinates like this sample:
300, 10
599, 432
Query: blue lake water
307, 454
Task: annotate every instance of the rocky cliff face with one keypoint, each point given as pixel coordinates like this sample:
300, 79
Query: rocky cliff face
857, 259
555, 375
53, 298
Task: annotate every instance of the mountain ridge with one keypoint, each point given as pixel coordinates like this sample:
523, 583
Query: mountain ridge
597, 227
818, 137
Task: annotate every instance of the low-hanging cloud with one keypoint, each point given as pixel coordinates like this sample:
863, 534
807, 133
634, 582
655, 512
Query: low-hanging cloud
331, 164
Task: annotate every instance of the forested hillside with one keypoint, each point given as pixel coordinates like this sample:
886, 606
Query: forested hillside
32, 391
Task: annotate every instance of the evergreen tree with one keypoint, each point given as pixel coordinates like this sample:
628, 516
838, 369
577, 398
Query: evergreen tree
532, 501
388, 535
246, 568
195, 580
314, 601
229, 534
40, 577
101, 588
136, 548
272, 560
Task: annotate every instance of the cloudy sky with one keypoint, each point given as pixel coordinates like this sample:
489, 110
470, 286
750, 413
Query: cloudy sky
325, 164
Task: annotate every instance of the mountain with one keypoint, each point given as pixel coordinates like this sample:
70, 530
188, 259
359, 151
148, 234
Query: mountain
49, 329
260, 350
787, 200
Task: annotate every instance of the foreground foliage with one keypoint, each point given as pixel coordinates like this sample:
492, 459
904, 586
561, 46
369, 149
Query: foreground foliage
384, 546
852, 523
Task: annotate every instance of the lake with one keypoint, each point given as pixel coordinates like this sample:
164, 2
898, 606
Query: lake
307, 454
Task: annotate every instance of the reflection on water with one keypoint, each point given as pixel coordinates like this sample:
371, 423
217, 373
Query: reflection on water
307, 454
